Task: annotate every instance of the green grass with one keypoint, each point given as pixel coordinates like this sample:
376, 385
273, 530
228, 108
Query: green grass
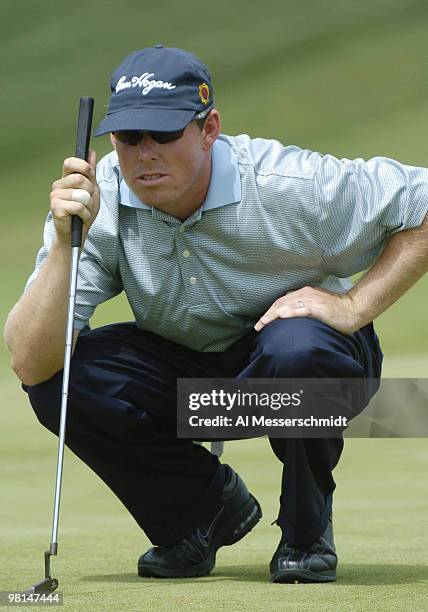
381, 527
343, 77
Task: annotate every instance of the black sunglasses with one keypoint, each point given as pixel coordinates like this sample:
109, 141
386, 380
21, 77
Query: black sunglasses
134, 137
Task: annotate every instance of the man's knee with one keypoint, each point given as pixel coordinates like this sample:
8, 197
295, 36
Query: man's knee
290, 349
45, 399
291, 362
303, 348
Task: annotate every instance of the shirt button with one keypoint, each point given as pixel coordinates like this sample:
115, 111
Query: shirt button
182, 229
186, 253
192, 280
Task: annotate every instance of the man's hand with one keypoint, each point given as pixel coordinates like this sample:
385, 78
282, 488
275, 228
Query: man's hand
403, 261
76, 174
334, 309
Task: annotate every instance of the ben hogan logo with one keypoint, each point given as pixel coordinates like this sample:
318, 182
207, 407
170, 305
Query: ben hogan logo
204, 93
144, 81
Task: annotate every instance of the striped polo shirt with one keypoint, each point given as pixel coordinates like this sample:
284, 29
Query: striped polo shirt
276, 218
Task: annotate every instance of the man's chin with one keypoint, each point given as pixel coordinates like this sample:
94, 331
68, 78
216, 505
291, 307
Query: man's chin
161, 203
153, 197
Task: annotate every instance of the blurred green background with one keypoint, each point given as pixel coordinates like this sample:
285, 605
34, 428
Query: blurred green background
344, 77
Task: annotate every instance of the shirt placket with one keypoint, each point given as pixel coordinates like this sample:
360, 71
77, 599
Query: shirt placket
185, 255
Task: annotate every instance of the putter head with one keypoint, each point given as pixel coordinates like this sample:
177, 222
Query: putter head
47, 585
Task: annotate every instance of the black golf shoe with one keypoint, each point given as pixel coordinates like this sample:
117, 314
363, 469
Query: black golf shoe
313, 563
195, 554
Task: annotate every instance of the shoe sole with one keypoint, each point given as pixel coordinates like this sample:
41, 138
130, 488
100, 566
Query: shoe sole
249, 515
302, 576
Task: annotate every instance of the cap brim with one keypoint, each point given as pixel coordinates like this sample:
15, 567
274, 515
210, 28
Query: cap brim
150, 119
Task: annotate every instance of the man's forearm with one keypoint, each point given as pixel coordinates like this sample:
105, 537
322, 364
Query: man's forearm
35, 328
402, 263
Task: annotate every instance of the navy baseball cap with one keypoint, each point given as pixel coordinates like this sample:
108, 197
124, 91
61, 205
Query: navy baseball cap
159, 89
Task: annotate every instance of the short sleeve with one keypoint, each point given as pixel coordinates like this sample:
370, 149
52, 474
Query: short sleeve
361, 204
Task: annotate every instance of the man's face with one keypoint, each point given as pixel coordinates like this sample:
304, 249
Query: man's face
173, 177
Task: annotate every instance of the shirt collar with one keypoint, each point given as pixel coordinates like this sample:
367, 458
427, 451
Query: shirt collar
225, 181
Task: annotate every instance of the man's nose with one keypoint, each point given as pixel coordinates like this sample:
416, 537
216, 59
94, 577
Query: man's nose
147, 147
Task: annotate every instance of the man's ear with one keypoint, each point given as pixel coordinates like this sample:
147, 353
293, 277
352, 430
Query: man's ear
113, 140
211, 129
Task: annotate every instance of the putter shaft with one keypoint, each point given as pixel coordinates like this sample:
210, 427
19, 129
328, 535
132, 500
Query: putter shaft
84, 123
64, 400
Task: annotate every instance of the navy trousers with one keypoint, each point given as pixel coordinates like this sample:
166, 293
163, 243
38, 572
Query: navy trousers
122, 419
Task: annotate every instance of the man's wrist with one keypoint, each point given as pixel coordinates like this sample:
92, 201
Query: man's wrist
359, 312
60, 249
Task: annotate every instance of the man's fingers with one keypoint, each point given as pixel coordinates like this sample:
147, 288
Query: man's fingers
81, 196
74, 181
284, 313
264, 320
74, 165
292, 304
295, 309
269, 316
75, 193
61, 209
333, 309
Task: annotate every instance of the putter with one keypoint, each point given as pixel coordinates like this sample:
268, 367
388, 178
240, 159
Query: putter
49, 584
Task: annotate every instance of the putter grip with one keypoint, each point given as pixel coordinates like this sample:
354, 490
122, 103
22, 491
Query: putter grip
84, 124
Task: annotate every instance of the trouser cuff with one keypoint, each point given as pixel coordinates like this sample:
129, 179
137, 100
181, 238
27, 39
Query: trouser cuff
168, 535
302, 535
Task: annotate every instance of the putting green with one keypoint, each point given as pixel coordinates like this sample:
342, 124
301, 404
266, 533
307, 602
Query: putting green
343, 77
381, 525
